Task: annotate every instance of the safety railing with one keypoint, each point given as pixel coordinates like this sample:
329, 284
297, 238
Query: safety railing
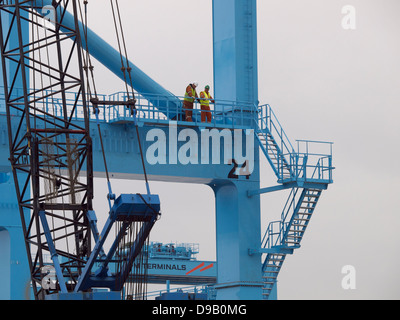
160, 109
302, 164
276, 229
274, 234
48, 103
180, 251
150, 108
308, 166
209, 290
268, 123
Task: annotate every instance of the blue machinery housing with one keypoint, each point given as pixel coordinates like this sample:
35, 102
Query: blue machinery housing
249, 258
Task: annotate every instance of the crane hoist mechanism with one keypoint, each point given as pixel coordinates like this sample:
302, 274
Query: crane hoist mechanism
51, 155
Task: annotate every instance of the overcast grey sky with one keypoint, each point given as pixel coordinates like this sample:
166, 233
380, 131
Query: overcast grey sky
324, 83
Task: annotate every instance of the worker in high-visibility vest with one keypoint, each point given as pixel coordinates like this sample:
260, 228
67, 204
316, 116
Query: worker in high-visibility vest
205, 99
188, 100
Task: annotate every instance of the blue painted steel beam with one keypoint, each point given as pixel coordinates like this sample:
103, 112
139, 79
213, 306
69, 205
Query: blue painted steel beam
124, 162
53, 252
237, 215
290, 185
235, 50
15, 275
10, 221
238, 229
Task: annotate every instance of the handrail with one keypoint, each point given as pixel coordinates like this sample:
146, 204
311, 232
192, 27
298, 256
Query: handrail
150, 107
157, 108
269, 121
205, 289
302, 166
270, 240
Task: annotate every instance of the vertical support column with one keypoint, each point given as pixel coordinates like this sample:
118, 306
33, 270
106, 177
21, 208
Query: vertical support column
237, 216
15, 263
235, 50
12, 240
238, 229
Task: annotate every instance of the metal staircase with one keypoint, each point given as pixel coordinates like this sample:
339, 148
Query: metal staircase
301, 217
274, 155
287, 237
271, 269
274, 142
290, 165
306, 174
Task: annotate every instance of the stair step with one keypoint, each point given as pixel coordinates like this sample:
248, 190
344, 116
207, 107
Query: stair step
300, 223
276, 260
307, 208
277, 268
302, 226
298, 236
294, 242
272, 276
293, 237
296, 231
293, 230
270, 265
303, 229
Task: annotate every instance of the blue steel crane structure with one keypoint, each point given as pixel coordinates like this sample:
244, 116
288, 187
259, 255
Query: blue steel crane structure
248, 264
47, 143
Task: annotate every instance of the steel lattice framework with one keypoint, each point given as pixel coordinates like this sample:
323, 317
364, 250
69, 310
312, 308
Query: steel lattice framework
48, 153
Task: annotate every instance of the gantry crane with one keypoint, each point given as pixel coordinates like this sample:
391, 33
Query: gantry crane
52, 154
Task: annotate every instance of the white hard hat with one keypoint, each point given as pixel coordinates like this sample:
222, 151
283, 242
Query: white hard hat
195, 84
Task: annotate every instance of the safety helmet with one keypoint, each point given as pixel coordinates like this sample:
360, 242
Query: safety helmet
195, 84
207, 87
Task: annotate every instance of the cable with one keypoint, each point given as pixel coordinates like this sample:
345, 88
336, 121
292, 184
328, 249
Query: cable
137, 288
123, 69
89, 67
129, 69
141, 155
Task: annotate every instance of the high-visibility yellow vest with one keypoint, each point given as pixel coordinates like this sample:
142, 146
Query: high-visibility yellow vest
188, 98
207, 96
